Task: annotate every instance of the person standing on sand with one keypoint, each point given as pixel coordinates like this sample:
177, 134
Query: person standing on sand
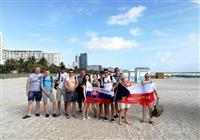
108, 85
33, 92
60, 78
101, 110
71, 96
86, 84
80, 90
148, 80
124, 107
47, 85
95, 106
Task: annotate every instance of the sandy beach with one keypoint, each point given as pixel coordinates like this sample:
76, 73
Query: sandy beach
181, 119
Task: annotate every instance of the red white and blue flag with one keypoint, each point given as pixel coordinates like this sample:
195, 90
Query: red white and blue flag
95, 94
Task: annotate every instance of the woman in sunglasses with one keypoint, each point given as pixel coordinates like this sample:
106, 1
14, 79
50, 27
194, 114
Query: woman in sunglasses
148, 80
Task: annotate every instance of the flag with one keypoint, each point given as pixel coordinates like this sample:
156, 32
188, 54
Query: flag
136, 94
95, 95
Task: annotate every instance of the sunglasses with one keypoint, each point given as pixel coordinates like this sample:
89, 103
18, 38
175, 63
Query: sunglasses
147, 76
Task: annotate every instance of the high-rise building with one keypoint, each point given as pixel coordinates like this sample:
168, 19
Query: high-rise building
77, 60
53, 57
1, 48
83, 61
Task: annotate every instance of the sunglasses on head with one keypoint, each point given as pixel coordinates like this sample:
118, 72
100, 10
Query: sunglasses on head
71, 72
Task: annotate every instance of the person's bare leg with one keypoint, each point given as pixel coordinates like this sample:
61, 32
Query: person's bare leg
37, 106
29, 109
73, 107
97, 109
143, 114
59, 107
68, 108
149, 109
84, 111
120, 116
87, 110
94, 109
46, 108
126, 116
54, 107
101, 110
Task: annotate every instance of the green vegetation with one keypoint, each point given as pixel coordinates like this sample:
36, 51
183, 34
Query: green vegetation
19, 67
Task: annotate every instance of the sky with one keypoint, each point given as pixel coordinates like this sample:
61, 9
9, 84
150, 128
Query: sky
160, 34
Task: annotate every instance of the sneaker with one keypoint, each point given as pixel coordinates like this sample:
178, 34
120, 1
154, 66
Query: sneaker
55, 115
47, 115
37, 114
26, 116
112, 120
105, 119
87, 117
116, 116
74, 116
80, 111
84, 119
120, 123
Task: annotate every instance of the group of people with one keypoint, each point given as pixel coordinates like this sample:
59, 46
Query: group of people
72, 89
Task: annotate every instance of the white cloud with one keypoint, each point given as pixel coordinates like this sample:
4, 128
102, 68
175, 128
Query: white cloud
73, 40
196, 1
136, 31
110, 43
127, 17
159, 33
164, 56
47, 39
91, 34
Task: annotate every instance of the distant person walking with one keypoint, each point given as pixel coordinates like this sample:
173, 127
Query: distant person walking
60, 78
148, 80
71, 95
33, 91
47, 86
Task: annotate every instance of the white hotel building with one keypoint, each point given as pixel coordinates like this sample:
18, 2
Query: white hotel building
1, 49
51, 57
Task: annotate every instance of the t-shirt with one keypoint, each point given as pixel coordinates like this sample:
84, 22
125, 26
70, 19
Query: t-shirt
47, 83
34, 81
63, 77
108, 83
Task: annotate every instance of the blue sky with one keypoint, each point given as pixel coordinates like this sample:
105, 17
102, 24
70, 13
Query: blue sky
162, 35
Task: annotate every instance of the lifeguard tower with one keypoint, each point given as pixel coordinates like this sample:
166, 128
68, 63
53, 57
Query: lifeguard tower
140, 72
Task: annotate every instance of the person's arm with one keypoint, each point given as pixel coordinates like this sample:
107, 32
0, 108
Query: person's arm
27, 86
42, 87
98, 83
84, 91
146, 82
77, 82
155, 90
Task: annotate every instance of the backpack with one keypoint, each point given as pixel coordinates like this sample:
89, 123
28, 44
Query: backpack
56, 85
44, 81
157, 110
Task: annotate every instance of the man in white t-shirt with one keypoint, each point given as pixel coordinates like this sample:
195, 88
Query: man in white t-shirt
108, 85
60, 78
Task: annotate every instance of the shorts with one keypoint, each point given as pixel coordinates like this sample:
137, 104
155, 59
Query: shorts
60, 93
71, 96
51, 97
35, 95
124, 106
81, 97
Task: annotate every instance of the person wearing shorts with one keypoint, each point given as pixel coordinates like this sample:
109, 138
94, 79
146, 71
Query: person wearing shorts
33, 92
80, 100
47, 84
124, 107
71, 96
60, 78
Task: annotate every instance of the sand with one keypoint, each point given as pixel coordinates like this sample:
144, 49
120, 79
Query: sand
181, 119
